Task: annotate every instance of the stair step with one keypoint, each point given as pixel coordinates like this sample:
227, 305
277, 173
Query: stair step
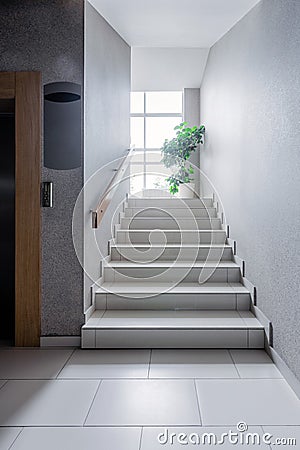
172, 329
166, 296
148, 253
172, 272
149, 287
121, 264
167, 211
171, 202
195, 237
169, 223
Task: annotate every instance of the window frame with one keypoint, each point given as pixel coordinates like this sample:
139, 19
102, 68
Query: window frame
145, 115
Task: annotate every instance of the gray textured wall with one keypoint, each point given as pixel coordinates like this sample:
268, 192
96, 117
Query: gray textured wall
251, 107
48, 36
107, 106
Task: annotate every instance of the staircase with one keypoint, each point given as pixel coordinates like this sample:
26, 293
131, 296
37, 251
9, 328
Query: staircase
171, 282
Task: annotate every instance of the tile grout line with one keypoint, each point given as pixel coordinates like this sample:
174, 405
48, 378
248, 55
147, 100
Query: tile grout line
93, 400
150, 362
64, 365
231, 357
198, 402
141, 438
12, 444
145, 378
157, 425
5, 382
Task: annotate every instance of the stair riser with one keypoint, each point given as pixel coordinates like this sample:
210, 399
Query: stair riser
195, 301
170, 254
169, 202
174, 338
171, 237
171, 212
173, 274
170, 224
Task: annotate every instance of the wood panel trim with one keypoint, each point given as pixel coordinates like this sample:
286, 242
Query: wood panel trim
27, 201
7, 85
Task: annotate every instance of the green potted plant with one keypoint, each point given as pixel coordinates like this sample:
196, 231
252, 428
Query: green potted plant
177, 151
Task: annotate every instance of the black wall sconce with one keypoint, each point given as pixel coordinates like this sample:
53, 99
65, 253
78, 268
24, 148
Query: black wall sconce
62, 126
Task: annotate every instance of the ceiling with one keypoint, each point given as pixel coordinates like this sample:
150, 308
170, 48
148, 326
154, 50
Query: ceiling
172, 23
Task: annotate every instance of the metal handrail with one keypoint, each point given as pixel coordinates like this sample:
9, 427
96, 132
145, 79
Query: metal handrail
99, 211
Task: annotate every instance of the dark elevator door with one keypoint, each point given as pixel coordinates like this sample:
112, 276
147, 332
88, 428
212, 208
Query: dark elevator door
7, 225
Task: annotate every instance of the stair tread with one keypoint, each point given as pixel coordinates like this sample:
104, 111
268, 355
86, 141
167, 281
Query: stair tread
177, 207
145, 319
132, 197
170, 230
169, 218
169, 264
168, 245
149, 287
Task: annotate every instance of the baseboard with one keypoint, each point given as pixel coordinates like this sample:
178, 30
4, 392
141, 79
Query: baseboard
266, 323
60, 341
285, 370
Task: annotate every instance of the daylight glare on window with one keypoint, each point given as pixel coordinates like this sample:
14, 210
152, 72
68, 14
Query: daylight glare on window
137, 102
153, 117
158, 129
164, 102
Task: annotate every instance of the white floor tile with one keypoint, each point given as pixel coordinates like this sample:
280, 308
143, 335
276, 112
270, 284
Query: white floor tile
7, 437
78, 439
189, 437
254, 364
46, 403
145, 402
284, 434
192, 364
32, 363
107, 364
257, 402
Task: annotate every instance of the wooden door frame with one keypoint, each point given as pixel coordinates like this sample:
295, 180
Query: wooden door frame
25, 88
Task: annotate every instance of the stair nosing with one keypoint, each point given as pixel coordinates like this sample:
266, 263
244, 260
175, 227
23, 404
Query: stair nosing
130, 230
174, 327
170, 264
184, 288
168, 245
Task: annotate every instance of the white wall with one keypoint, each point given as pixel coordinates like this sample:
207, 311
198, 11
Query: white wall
167, 69
107, 88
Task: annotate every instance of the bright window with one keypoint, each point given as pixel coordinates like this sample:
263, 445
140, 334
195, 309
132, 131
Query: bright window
153, 118
163, 102
137, 125
158, 129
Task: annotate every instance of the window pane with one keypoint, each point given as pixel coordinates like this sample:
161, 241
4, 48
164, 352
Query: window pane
137, 157
137, 102
136, 178
160, 128
156, 176
164, 102
153, 156
137, 131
